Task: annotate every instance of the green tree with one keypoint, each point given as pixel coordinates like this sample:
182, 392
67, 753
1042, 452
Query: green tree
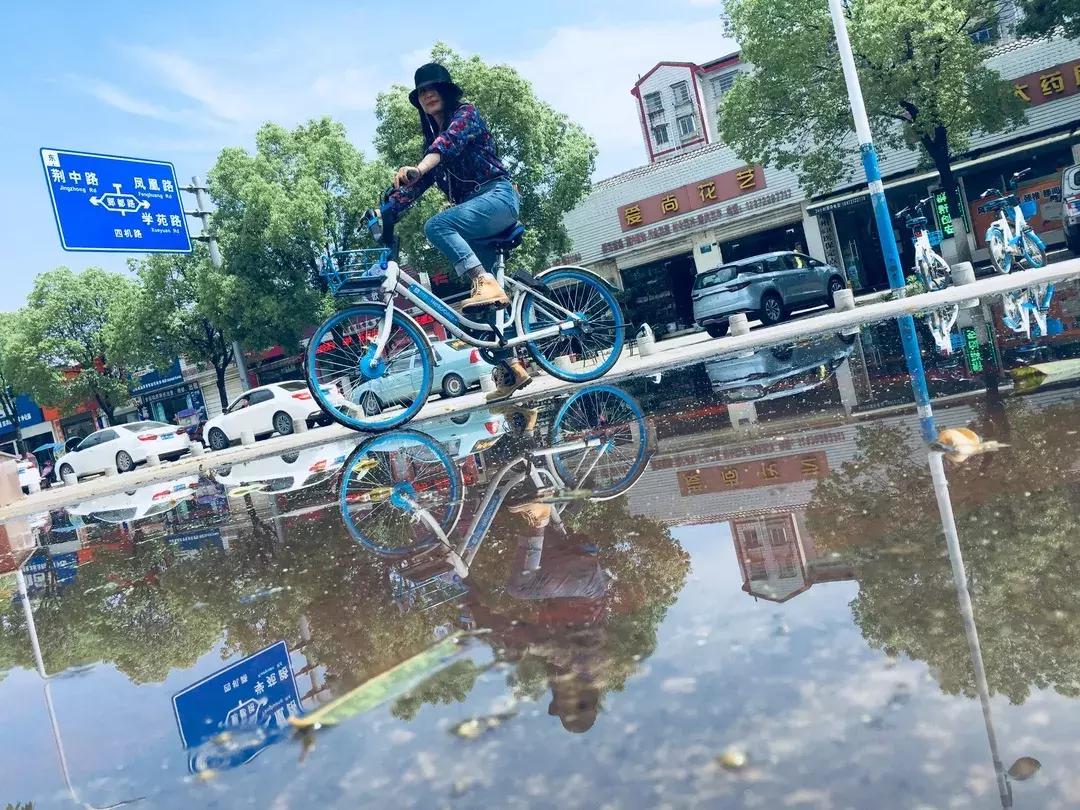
922, 76
1016, 513
181, 309
8, 373
1049, 17
64, 346
549, 157
278, 212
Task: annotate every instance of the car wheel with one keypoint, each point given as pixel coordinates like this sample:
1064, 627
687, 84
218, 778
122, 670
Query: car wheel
371, 405
65, 470
835, 285
783, 353
283, 423
460, 418
218, 439
717, 329
290, 457
123, 462
772, 309
453, 386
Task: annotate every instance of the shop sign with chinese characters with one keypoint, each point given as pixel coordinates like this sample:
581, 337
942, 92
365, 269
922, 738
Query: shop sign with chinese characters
749, 475
1048, 85
702, 194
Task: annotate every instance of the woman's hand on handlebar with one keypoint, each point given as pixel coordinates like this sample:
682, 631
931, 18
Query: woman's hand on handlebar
406, 176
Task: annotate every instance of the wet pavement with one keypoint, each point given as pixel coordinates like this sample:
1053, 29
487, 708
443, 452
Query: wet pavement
749, 583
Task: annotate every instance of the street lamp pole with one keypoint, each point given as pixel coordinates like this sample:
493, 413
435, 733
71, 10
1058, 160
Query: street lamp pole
202, 213
912, 352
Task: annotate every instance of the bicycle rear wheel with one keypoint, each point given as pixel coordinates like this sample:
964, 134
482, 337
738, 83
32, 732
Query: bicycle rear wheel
1033, 251
590, 349
347, 381
607, 413
1000, 257
385, 483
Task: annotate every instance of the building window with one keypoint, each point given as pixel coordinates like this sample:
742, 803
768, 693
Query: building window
721, 84
751, 539
987, 33
787, 571
653, 103
660, 134
687, 126
682, 93
777, 537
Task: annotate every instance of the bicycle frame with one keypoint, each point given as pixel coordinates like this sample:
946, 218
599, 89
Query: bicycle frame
398, 283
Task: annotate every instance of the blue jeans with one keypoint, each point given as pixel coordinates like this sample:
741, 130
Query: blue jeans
463, 231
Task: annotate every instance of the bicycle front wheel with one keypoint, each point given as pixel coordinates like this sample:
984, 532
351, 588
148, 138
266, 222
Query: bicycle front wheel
390, 483
612, 416
938, 274
359, 390
1000, 257
589, 349
1033, 251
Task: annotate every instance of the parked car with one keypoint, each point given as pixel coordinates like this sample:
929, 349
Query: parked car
288, 472
136, 504
458, 367
1070, 207
768, 287
266, 410
29, 476
775, 372
123, 447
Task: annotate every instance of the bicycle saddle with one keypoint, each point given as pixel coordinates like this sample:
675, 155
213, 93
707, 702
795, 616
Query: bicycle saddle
509, 239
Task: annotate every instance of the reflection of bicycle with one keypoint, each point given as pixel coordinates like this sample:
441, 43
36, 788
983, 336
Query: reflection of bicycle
932, 270
1017, 241
401, 493
566, 317
1021, 306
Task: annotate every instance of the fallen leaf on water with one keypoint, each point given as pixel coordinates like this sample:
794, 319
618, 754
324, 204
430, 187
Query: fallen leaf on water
733, 758
1024, 768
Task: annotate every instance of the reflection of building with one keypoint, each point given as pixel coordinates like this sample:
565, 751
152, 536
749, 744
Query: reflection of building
778, 558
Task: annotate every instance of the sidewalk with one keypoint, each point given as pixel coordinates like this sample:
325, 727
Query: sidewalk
674, 353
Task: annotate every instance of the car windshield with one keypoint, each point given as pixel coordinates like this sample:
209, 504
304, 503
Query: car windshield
136, 427
294, 385
712, 278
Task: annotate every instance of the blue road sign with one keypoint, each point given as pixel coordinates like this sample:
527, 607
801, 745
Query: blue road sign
257, 692
43, 565
119, 204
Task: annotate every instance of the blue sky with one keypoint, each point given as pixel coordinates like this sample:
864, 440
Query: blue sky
178, 82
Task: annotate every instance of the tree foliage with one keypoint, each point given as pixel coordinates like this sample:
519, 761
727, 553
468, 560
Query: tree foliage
1017, 517
181, 308
923, 79
1049, 17
8, 370
278, 212
549, 157
64, 345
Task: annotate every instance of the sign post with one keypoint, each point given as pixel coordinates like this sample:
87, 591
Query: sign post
107, 203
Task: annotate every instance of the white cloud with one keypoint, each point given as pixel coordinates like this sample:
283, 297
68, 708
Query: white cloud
122, 100
587, 73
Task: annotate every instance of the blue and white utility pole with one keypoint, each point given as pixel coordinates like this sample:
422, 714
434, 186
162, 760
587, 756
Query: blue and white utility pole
912, 352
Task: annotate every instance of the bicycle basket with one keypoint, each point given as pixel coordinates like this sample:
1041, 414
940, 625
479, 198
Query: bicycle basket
1029, 208
355, 270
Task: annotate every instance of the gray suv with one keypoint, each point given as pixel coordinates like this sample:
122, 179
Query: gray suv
769, 287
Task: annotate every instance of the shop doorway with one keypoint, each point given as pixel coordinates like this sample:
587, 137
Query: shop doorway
786, 237
860, 247
659, 293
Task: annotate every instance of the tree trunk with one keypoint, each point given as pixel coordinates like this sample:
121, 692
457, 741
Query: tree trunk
107, 407
938, 149
219, 373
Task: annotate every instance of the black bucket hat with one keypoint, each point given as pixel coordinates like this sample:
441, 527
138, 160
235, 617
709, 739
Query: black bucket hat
433, 75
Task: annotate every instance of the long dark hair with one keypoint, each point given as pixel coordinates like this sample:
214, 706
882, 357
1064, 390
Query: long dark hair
428, 125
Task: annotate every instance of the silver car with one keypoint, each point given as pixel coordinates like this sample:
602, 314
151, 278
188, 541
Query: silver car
768, 287
1070, 207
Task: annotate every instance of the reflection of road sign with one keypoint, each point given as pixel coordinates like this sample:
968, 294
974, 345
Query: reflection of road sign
190, 543
255, 692
39, 568
109, 203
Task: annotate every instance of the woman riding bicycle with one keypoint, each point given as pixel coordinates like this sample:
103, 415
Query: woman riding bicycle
461, 159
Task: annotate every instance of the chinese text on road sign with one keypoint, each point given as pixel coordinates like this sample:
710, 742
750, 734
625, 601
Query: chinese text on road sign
108, 203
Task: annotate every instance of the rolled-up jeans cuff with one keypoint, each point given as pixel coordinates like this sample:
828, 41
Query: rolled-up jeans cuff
470, 262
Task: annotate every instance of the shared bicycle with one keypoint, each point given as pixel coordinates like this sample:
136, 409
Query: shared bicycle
1010, 243
933, 273
566, 317
401, 494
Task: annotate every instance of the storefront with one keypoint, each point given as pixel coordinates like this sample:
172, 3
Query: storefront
161, 395
653, 229
1046, 143
37, 432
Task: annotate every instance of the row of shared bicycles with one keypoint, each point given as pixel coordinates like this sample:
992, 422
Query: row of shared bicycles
1013, 245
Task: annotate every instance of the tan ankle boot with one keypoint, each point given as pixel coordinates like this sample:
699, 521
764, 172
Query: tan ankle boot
485, 292
537, 515
504, 389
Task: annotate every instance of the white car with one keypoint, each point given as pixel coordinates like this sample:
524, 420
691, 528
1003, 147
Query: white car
289, 472
29, 477
123, 447
268, 409
126, 507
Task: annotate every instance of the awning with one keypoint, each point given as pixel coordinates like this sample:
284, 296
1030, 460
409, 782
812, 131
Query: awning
854, 197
